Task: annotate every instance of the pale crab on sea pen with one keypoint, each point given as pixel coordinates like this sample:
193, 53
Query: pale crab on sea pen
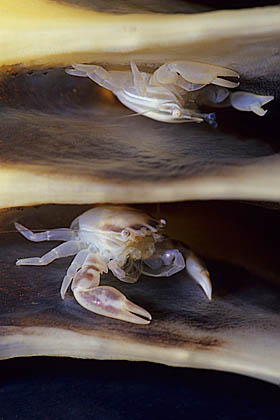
169, 94
120, 239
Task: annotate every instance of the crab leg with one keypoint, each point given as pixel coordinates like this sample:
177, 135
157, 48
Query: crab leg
96, 73
48, 235
104, 300
195, 73
64, 250
196, 268
139, 82
76, 264
112, 80
82, 70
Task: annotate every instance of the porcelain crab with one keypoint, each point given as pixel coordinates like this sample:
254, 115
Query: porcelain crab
125, 241
172, 92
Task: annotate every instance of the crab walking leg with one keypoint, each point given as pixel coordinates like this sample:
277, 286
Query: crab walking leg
112, 80
96, 73
246, 101
196, 268
104, 300
139, 81
64, 250
82, 70
76, 264
74, 72
48, 235
197, 73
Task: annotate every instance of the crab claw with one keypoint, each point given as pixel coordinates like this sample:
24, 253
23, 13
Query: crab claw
164, 263
108, 301
246, 101
199, 273
196, 73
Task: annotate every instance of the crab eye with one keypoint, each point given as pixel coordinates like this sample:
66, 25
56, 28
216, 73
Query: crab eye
162, 223
176, 113
125, 233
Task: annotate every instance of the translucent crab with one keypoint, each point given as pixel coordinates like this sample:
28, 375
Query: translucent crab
170, 93
161, 95
123, 240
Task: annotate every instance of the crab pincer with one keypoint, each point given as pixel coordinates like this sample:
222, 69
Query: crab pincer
247, 101
196, 74
102, 300
110, 302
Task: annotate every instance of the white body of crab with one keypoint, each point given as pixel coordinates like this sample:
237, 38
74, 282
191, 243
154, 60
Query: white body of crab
117, 238
169, 94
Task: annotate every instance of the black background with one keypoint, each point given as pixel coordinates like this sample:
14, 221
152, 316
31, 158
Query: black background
58, 388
